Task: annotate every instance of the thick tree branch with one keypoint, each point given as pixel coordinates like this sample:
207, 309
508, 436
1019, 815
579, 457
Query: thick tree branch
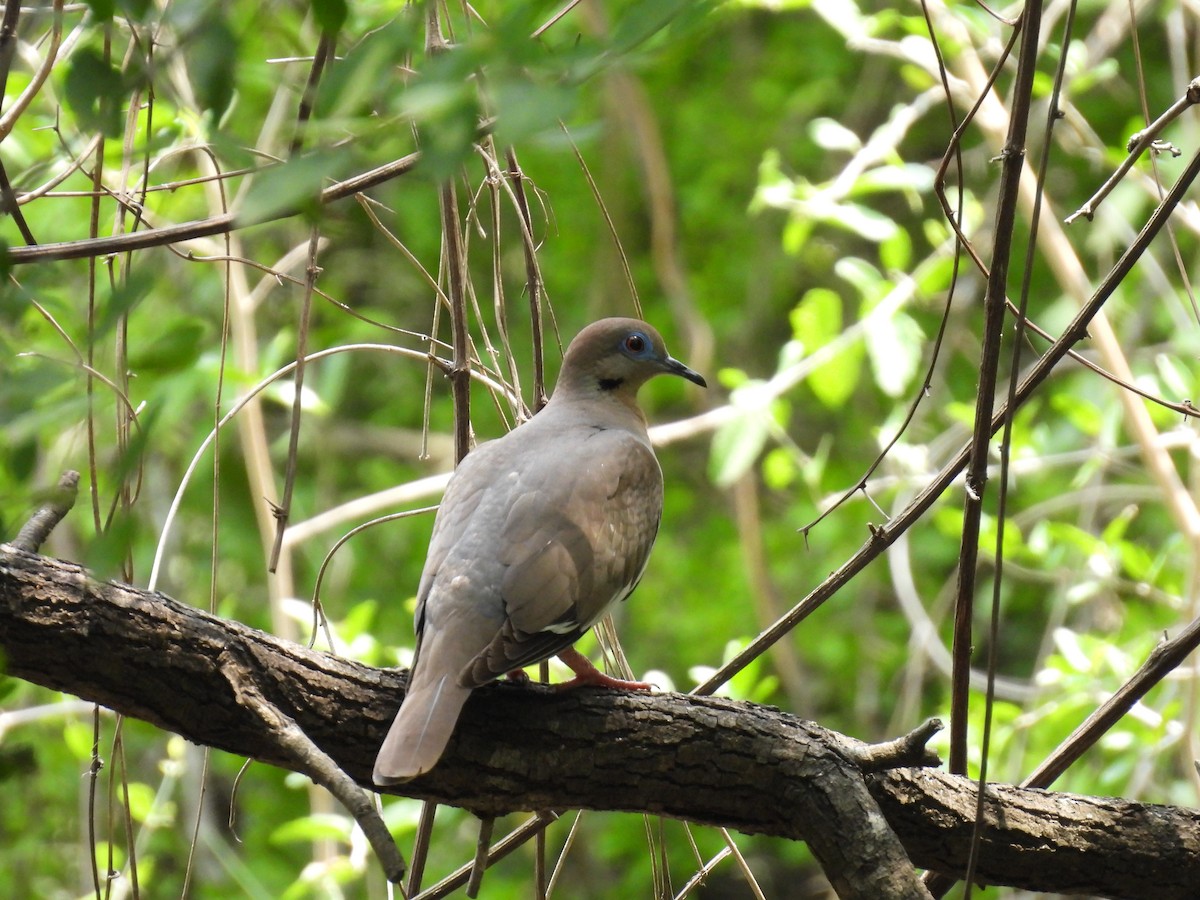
1049, 841
706, 760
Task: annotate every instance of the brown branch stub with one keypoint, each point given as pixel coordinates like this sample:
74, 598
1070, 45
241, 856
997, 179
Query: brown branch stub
907, 750
52, 511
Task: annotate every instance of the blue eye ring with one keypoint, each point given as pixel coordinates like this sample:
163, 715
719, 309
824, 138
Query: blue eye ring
637, 345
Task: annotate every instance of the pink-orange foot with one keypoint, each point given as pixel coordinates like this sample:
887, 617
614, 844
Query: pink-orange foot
587, 675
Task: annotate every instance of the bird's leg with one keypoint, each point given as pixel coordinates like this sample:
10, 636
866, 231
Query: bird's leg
587, 675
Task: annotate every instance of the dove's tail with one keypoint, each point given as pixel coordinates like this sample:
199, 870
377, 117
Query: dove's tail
421, 730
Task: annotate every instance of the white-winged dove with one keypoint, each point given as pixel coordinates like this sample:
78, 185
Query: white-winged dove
539, 533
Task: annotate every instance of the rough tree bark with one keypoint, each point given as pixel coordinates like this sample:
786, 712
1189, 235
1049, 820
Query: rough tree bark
707, 760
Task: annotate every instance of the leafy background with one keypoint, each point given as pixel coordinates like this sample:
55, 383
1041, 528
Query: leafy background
759, 177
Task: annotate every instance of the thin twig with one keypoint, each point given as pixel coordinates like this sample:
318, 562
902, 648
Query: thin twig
554, 19
1006, 445
1136, 147
284, 510
480, 862
322, 58
420, 850
533, 278
1012, 161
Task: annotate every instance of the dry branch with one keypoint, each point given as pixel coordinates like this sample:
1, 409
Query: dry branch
89, 248
705, 760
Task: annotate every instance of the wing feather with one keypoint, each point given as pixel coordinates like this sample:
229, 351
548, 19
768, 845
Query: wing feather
571, 548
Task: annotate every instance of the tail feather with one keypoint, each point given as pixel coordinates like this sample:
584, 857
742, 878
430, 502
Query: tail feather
420, 730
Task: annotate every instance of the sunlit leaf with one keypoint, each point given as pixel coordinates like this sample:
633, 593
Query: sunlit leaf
313, 828
817, 320
833, 135
896, 347
906, 177
896, 251
141, 800
736, 445
779, 469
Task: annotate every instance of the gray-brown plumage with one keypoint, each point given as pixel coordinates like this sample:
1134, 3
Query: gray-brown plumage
539, 533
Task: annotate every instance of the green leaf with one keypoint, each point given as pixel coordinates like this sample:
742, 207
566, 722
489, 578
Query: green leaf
834, 382
291, 188
641, 21
1079, 410
94, 92
817, 320
866, 278
863, 221
141, 800
124, 298
731, 379
176, 348
312, 828
1175, 377
795, 234
212, 54
447, 112
134, 9
779, 469
102, 10
352, 85
330, 15
524, 109
77, 736
1014, 541
896, 252
106, 553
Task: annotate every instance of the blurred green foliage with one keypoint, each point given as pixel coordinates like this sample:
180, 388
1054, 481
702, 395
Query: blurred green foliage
768, 169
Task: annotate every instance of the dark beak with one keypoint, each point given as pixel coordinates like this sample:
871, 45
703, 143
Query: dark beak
675, 367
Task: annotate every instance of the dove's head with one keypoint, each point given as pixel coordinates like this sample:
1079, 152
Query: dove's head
616, 357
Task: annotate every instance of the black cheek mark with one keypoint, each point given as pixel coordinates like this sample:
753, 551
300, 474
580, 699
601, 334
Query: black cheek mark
611, 384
